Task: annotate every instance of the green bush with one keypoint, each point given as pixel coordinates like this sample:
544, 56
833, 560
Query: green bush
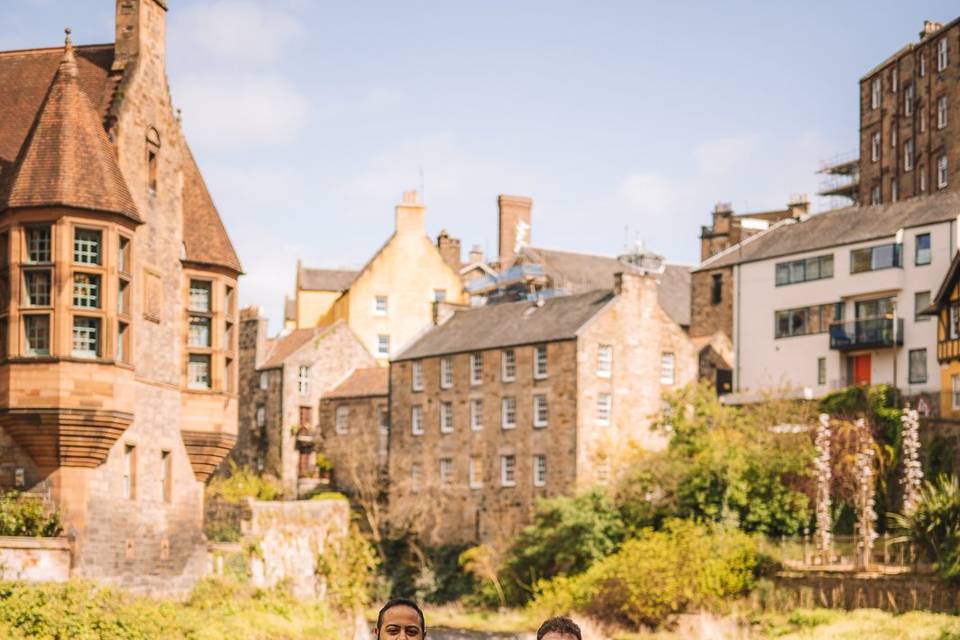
659, 573
934, 525
22, 515
348, 565
242, 482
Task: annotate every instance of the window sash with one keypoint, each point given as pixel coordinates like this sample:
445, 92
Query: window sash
539, 470
476, 415
86, 290
540, 361
475, 472
668, 364
380, 305
508, 413
36, 330
476, 368
199, 332
941, 112
200, 296
541, 411
604, 408
303, 380
918, 366
86, 337
923, 253
383, 345
446, 373
416, 420
446, 417
446, 471
508, 471
416, 376
87, 246
198, 371
921, 300
342, 420
955, 391
942, 172
38, 285
604, 361
39, 244
508, 365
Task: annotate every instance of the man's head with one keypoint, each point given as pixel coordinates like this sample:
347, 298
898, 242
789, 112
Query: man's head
401, 619
559, 629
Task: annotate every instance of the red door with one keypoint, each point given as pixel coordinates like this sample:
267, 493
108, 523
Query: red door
861, 369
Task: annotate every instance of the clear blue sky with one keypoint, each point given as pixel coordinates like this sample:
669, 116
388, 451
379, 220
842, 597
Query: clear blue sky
310, 118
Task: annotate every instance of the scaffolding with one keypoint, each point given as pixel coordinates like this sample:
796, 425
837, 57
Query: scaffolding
841, 178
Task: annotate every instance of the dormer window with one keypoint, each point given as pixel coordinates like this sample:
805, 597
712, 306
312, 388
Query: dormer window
153, 153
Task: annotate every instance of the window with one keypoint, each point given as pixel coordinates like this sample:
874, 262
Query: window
894, 190
416, 376
129, 472
198, 371
123, 302
893, 138
795, 271
922, 63
716, 289
908, 155
86, 246
416, 477
476, 414
439, 295
446, 471
476, 472
166, 475
416, 420
941, 172
264, 380
875, 93
942, 112
86, 290
923, 119
921, 300
86, 337
38, 244
306, 419
894, 80
954, 322
37, 284
508, 418
446, 372
667, 368
200, 296
875, 147
821, 371
918, 366
806, 320
604, 361
541, 411
923, 178
476, 368
123, 255
227, 335
875, 194
199, 334
342, 420
303, 380
508, 471
261, 416
540, 362
380, 306
383, 346
922, 253
942, 54
883, 256
153, 151
539, 470
446, 417
955, 391
123, 331
604, 408
908, 100
36, 330
508, 361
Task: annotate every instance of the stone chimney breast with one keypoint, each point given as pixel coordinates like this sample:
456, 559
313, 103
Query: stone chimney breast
410, 215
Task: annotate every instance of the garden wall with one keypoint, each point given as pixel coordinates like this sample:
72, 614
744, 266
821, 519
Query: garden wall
847, 590
35, 559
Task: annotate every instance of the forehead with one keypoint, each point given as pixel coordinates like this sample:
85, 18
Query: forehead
402, 615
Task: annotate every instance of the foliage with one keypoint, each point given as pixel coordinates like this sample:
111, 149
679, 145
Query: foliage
568, 534
483, 562
684, 566
348, 564
242, 482
324, 463
428, 574
22, 515
933, 525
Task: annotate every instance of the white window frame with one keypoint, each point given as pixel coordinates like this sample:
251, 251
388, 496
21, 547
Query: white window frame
446, 472
264, 381
476, 368
908, 101
668, 368
508, 471
383, 345
476, 414
908, 155
541, 364
604, 361
942, 172
604, 408
943, 107
261, 416
539, 470
922, 63
943, 59
508, 413
341, 423
875, 197
923, 178
381, 305
541, 405
875, 88
821, 371
303, 380
875, 147
446, 417
416, 375
446, 372
475, 472
508, 365
416, 420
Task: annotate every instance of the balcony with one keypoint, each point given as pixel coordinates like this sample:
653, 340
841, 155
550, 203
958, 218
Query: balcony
866, 333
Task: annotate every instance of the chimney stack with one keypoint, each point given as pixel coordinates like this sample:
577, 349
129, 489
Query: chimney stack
515, 220
929, 26
449, 250
476, 254
410, 215
140, 31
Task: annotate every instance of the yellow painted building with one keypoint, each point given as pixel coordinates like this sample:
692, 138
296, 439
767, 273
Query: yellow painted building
390, 301
947, 306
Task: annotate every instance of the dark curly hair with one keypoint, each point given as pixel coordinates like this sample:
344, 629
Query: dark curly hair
402, 602
560, 625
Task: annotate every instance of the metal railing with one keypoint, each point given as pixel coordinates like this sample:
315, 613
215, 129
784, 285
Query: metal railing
866, 333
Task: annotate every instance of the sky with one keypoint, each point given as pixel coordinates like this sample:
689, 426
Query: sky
625, 121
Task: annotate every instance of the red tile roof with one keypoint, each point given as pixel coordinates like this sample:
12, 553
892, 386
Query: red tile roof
204, 237
363, 383
66, 159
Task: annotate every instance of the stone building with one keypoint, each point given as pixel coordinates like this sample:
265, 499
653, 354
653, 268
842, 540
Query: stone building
909, 112
503, 404
389, 301
281, 384
117, 305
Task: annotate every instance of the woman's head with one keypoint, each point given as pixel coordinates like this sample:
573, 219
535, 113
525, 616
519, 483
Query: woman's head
401, 618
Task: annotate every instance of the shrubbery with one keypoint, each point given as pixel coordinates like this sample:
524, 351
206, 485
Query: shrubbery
934, 525
685, 565
22, 515
242, 482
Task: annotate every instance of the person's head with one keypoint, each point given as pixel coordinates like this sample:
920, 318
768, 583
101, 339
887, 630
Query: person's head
401, 618
559, 629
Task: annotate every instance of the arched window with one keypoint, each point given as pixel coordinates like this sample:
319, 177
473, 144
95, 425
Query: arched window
153, 152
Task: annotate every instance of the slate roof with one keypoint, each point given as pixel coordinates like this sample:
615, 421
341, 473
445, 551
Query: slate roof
66, 158
579, 272
363, 383
839, 227
326, 279
510, 324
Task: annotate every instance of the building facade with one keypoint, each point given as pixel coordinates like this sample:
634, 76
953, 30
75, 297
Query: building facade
118, 304
946, 311
504, 404
909, 112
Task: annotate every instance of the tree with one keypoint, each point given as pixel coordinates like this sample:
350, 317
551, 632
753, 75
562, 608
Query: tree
483, 562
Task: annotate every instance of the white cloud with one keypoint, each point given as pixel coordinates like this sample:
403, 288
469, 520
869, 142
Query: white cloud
231, 112
724, 156
239, 31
